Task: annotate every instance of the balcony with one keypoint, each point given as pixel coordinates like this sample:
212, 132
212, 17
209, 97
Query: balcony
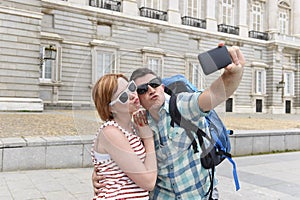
258, 35
153, 13
113, 5
190, 21
228, 29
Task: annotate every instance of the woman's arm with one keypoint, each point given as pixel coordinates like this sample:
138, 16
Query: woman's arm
116, 144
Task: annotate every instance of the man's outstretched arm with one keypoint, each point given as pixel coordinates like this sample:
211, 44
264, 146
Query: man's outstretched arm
226, 84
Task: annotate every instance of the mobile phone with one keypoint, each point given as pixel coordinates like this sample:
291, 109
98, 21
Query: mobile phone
214, 59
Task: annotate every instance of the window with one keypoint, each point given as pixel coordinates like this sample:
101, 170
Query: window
283, 22
259, 105
105, 63
227, 12
153, 58
104, 58
284, 17
46, 66
288, 105
260, 81
155, 4
229, 105
256, 17
289, 83
195, 75
192, 8
154, 63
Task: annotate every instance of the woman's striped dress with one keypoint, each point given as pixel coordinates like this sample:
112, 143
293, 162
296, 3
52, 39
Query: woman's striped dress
118, 184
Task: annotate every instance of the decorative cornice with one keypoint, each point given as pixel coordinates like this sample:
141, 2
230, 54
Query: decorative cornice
259, 64
51, 36
20, 12
153, 50
104, 43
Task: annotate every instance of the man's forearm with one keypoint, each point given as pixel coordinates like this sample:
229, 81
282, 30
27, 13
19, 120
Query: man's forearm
221, 89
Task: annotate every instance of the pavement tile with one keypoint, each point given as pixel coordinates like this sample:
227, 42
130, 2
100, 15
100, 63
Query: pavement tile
262, 177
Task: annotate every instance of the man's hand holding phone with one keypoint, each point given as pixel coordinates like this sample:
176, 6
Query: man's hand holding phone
220, 57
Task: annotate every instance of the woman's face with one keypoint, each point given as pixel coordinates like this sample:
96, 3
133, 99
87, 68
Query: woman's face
125, 99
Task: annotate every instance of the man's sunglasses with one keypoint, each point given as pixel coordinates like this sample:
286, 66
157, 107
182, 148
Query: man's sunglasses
154, 83
123, 96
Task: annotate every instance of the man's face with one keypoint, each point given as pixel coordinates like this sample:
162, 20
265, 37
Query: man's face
153, 97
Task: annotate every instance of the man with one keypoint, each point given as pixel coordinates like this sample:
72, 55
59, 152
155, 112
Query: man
180, 173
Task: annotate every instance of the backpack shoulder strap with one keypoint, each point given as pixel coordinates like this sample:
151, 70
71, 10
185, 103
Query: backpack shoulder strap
177, 118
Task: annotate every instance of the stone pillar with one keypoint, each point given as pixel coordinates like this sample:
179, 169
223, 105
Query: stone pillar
272, 11
211, 21
242, 23
173, 12
130, 7
295, 21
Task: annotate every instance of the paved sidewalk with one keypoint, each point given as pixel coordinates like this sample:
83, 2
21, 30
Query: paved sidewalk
263, 177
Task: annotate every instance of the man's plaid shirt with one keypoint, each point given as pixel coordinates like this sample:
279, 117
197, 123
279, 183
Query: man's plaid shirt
180, 173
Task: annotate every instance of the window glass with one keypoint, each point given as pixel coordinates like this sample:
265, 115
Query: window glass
283, 21
257, 17
105, 63
227, 9
289, 83
260, 81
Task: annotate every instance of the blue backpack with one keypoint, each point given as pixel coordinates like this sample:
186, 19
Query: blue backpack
218, 137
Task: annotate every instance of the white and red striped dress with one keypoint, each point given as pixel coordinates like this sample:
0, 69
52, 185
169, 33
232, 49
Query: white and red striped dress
118, 185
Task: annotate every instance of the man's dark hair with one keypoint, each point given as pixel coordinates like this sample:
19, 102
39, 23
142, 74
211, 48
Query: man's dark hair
140, 72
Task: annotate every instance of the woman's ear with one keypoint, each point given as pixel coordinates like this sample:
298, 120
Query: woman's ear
111, 114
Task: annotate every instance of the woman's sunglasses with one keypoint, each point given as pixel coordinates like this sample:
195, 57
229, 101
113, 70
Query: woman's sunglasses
154, 83
123, 96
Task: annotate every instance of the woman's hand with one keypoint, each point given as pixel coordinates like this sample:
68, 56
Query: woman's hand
141, 121
95, 180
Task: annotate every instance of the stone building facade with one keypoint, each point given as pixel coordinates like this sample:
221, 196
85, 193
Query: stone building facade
53, 51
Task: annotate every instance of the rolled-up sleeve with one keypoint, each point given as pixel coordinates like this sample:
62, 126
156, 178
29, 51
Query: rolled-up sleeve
187, 104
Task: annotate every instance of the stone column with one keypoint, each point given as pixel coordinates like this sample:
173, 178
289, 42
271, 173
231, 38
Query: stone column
272, 11
242, 20
296, 12
130, 7
173, 12
211, 21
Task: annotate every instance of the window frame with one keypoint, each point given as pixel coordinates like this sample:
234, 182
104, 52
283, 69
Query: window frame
289, 89
260, 81
55, 65
191, 10
195, 72
229, 8
284, 24
95, 53
152, 4
159, 58
254, 15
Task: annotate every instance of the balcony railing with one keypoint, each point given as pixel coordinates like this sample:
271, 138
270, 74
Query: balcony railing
258, 35
228, 29
190, 21
153, 13
106, 4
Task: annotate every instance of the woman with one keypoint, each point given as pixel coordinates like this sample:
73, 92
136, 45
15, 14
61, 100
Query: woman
123, 151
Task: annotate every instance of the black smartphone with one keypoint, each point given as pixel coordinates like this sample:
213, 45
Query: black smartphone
214, 59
